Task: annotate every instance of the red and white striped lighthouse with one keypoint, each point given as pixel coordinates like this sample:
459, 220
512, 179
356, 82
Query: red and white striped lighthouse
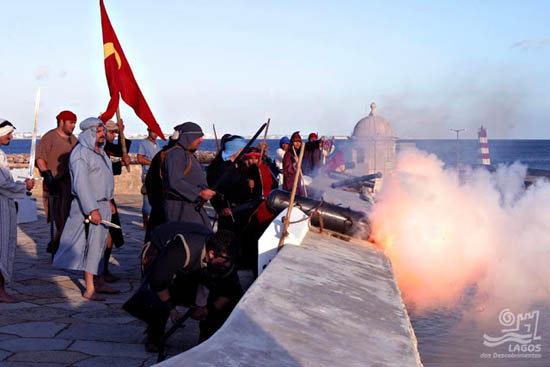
484, 157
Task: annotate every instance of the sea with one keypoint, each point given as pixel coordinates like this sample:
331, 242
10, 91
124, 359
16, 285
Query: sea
445, 336
532, 153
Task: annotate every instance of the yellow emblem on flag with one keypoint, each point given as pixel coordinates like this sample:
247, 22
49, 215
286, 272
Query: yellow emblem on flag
108, 50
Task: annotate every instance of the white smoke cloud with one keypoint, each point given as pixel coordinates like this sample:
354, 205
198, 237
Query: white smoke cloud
495, 104
445, 233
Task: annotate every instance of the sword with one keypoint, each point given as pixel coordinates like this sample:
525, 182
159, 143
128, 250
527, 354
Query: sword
34, 178
103, 221
32, 155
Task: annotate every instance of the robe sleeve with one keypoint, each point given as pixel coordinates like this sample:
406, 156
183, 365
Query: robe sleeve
174, 168
8, 187
81, 183
11, 189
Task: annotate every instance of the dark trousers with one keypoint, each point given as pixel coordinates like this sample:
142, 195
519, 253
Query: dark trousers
116, 234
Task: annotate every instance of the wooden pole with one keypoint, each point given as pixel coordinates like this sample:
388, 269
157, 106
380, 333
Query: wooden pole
121, 136
301, 175
286, 219
265, 140
216, 137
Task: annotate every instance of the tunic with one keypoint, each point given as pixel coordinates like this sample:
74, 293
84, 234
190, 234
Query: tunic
9, 190
148, 150
183, 179
55, 149
312, 157
93, 187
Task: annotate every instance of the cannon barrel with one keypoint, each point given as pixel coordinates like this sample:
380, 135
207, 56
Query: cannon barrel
354, 180
335, 218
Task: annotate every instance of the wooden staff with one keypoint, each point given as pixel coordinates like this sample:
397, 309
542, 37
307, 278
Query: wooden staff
216, 136
265, 140
301, 174
286, 219
121, 136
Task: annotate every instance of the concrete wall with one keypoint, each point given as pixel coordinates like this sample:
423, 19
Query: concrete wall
127, 183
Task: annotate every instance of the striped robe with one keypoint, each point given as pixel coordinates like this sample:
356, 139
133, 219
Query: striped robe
9, 190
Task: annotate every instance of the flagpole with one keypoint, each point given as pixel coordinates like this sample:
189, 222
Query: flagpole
121, 137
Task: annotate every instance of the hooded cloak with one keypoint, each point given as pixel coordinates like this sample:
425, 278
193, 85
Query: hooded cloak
183, 178
82, 245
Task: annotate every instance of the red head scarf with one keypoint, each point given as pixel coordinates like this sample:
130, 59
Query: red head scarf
66, 116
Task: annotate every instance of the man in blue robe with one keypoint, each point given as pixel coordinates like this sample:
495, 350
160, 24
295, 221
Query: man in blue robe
184, 180
82, 244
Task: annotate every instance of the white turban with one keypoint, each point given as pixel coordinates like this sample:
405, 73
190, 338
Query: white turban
5, 127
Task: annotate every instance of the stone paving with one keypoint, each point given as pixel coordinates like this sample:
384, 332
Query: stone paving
54, 326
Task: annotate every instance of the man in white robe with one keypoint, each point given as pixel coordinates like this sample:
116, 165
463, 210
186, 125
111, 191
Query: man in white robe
9, 191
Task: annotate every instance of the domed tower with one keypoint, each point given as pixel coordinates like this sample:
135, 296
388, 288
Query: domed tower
373, 144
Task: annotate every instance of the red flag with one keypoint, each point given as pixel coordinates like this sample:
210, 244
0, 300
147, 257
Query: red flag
120, 79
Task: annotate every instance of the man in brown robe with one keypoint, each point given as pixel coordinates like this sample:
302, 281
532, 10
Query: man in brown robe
52, 159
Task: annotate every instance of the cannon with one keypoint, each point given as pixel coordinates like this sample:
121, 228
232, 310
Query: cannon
334, 217
364, 180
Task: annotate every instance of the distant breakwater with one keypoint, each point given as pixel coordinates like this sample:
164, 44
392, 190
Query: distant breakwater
22, 160
127, 183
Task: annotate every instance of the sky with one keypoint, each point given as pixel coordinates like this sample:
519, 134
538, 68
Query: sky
308, 65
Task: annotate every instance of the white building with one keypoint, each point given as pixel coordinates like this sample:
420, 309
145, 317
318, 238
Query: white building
373, 145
